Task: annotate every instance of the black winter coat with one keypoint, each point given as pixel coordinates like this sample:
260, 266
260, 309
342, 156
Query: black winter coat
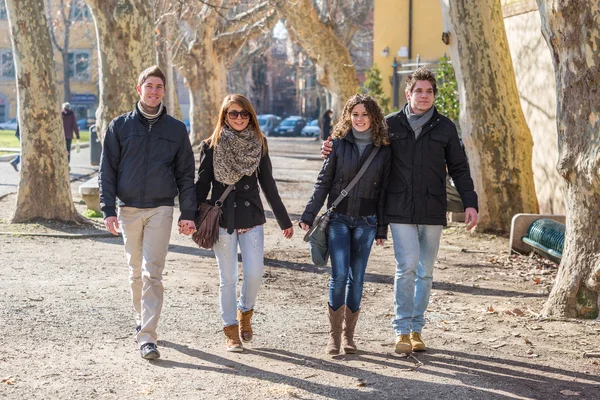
339, 168
243, 207
145, 165
416, 191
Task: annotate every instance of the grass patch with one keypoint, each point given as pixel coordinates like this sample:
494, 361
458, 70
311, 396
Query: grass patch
89, 213
8, 138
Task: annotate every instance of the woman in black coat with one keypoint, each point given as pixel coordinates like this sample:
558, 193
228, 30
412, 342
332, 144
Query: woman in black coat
236, 154
357, 221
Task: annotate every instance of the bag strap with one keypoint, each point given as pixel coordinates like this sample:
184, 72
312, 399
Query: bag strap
353, 182
219, 203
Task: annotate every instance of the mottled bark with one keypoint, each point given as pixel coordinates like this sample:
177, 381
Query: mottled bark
335, 69
496, 136
572, 32
125, 31
44, 188
164, 57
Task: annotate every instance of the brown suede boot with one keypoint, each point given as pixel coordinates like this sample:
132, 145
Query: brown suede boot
232, 341
350, 319
336, 319
245, 327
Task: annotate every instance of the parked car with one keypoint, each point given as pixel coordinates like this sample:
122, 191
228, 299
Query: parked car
311, 129
291, 126
187, 124
10, 125
86, 123
268, 123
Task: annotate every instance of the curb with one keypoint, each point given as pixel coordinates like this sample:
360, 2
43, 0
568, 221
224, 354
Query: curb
9, 157
63, 235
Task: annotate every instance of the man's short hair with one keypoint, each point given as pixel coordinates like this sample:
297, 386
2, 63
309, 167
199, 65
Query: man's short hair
151, 71
66, 106
421, 74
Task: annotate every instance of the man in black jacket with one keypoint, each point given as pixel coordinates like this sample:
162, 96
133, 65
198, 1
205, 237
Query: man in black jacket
146, 161
424, 143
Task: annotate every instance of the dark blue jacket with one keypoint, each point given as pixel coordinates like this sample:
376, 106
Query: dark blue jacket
366, 198
416, 191
146, 166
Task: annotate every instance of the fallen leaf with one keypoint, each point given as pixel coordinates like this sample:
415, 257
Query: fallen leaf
567, 392
490, 309
9, 380
527, 341
537, 281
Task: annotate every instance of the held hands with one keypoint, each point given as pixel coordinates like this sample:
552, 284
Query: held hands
379, 242
471, 218
112, 225
288, 233
326, 149
186, 227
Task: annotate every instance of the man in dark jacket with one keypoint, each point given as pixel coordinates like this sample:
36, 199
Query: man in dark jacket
146, 161
69, 126
424, 143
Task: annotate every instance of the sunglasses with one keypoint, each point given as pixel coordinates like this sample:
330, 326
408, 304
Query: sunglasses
235, 114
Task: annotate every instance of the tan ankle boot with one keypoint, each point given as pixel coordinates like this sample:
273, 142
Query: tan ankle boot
245, 327
403, 344
417, 341
336, 319
350, 319
232, 338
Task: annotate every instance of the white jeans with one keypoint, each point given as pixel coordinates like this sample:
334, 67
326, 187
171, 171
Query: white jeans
146, 234
252, 246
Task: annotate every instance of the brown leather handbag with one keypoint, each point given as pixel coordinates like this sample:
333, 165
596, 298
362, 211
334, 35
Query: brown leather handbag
207, 222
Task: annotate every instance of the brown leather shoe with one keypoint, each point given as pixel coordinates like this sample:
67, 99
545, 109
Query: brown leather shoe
403, 344
416, 341
350, 319
232, 338
245, 327
336, 319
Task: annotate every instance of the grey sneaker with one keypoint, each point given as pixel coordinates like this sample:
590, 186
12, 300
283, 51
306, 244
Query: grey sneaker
149, 351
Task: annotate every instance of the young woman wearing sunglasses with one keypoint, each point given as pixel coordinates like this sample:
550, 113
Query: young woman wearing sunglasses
236, 154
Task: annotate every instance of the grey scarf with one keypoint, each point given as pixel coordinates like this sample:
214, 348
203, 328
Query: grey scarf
417, 121
236, 155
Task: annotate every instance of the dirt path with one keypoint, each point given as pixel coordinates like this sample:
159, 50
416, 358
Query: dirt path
66, 324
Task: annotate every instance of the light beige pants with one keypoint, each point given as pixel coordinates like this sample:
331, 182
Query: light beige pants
146, 234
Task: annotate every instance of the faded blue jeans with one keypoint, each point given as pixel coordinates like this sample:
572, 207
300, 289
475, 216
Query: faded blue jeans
415, 250
349, 240
252, 246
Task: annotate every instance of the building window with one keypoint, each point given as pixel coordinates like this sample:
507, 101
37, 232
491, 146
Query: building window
7, 64
80, 65
80, 11
3, 14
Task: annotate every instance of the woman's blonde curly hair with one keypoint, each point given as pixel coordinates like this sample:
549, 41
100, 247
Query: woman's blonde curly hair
379, 130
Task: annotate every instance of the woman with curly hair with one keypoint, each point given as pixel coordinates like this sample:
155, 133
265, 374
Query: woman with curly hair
357, 220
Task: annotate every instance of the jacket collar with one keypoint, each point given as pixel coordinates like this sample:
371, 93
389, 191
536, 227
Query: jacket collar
140, 116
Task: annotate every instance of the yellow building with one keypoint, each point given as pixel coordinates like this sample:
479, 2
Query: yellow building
405, 29
82, 58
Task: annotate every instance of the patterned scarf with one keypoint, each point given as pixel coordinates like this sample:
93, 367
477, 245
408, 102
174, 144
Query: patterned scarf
236, 155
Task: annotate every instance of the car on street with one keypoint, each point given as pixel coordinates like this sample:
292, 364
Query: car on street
86, 123
311, 129
10, 125
268, 123
291, 126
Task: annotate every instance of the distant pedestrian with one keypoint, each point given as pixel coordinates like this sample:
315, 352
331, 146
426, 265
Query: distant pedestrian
146, 161
15, 162
326, 124
69, 126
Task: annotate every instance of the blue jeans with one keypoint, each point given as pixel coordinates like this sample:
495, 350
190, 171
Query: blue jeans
415, 250
349, 240
252, 246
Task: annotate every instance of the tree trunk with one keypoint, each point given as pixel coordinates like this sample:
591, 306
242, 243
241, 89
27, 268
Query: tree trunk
164, 57
572, 32
206, 76
335, 69
126, 47
496, 136
44, 188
